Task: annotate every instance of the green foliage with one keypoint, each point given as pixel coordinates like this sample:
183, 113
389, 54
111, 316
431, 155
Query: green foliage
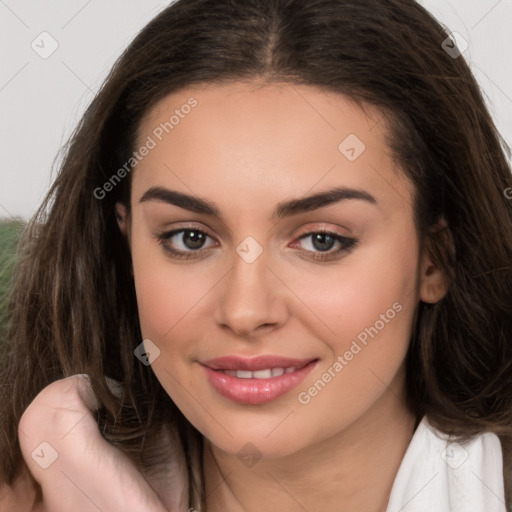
10, 231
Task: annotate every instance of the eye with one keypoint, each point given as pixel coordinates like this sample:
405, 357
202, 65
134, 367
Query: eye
188, 238
323, 241
192, 243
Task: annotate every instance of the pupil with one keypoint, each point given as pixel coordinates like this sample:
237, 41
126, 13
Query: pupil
320, 239
197, 239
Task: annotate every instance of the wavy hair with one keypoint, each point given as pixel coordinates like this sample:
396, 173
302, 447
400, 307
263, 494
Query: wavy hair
73, 307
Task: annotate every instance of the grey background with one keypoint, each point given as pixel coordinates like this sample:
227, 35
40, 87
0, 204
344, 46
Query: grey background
41, 100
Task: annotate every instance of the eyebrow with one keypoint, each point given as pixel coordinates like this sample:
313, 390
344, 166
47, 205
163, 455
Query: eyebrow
282, 210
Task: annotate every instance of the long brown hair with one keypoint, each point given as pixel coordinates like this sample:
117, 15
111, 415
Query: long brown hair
73, 307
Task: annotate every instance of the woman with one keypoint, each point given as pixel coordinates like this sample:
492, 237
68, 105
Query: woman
274, 269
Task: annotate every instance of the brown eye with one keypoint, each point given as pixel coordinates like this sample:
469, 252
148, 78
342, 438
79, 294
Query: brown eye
189, 240
193, 239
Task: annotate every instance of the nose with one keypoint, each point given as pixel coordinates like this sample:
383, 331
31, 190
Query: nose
251, 300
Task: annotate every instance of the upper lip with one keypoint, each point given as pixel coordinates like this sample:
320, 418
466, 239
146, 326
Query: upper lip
254, 363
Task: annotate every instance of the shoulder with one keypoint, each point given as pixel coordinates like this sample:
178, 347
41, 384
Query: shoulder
24, 495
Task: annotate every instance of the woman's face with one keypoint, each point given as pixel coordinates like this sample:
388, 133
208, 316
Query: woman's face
228, 180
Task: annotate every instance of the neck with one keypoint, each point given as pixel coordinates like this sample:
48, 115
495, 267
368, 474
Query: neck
351, 470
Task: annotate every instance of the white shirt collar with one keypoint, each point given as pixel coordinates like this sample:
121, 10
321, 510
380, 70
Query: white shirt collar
439, 475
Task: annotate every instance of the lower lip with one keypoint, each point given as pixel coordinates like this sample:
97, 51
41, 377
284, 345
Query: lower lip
256, 391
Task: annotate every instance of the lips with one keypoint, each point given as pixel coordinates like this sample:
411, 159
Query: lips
258, 379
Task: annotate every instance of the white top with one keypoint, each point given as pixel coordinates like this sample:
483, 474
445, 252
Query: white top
443, 476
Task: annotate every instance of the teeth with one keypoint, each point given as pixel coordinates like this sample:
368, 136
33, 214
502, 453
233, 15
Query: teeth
262, 374
259, 374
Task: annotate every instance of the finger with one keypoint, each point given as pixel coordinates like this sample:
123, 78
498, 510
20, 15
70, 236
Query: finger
76, 468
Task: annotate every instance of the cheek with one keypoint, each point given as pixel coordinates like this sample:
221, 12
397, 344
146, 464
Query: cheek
166, 296
368, 306
375, 286
166, 291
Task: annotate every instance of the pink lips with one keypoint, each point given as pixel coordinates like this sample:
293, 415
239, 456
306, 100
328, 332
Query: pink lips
247, 389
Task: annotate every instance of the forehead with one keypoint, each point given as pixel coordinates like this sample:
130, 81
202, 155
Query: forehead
279, 137
266, 108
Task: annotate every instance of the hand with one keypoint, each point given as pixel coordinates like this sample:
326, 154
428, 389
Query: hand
76, 467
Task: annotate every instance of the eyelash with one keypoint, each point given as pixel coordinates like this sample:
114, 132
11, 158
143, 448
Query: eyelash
348, 244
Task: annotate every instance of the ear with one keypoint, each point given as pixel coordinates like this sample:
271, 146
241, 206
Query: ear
433, 280
123, 220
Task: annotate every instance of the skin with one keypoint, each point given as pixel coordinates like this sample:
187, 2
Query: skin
246, 148
83, 471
